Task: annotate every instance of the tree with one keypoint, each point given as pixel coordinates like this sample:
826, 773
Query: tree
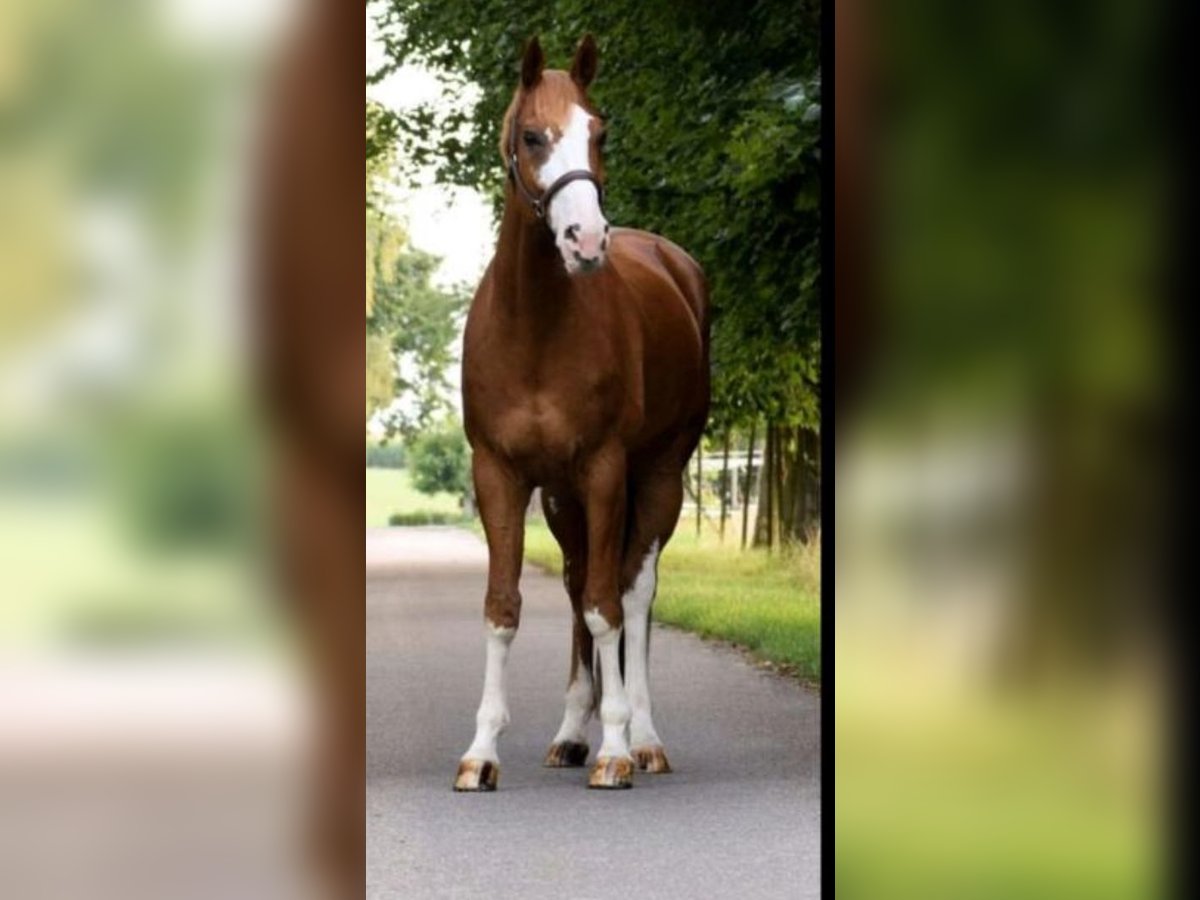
419, 323
440, 461
381, 382
411, 323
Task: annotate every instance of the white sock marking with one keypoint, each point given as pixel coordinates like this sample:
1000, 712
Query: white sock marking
614, 707
578, 709
492, 717
636, 603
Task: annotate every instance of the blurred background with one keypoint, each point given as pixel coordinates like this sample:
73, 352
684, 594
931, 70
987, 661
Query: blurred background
158, 721
1003, 185
1003, 181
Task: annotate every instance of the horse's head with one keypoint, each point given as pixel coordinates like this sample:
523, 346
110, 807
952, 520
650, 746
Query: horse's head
553, 145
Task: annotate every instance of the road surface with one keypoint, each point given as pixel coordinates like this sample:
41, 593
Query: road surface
739, 817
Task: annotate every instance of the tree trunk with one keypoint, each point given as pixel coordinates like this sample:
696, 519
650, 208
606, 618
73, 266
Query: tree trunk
774, 535
812, 492
725, 486
805, 491
699, 483
764, 528
787, 477
798, 481
802, 478
747, 483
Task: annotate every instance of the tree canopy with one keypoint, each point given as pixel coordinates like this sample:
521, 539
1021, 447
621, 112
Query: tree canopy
411, 322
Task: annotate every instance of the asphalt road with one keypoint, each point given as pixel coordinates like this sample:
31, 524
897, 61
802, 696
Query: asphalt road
739, 817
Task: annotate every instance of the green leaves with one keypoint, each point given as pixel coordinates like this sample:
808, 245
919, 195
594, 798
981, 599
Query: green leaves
440, 461
411, 331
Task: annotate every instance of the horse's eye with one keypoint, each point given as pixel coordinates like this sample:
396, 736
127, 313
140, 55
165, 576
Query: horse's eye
533, 139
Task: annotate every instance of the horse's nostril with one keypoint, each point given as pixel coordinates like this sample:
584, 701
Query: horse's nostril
572, 233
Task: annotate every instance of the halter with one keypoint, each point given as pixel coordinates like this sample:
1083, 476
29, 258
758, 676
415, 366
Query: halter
541, 204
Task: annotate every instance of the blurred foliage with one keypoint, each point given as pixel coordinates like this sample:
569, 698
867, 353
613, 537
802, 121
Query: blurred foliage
1000, 708
132, 484
714, 121
81, 120
189, 482
440, 461
411, 330
411, 323
380, 375
1022, 256
425, 517
1022, 202
385, 456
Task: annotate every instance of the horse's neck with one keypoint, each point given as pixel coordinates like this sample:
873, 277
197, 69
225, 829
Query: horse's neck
531, 282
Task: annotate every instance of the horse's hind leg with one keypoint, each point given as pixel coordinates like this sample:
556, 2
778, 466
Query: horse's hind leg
656, 500
565, 516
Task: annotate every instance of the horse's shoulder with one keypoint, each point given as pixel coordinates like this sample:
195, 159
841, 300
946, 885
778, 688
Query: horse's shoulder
671, 260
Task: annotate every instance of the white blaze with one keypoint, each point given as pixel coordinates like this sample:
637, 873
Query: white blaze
577, 204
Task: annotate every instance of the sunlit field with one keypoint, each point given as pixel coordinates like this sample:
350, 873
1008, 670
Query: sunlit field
767, 604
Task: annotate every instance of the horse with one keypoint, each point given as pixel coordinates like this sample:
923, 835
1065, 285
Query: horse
585, 372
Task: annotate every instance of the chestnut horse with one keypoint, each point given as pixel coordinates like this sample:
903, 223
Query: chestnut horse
585, 372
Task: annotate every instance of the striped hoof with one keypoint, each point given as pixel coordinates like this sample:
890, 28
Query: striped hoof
651, 759
476, 775
566, 754
612, 772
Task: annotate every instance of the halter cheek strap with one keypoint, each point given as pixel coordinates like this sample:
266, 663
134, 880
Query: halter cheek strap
540, 203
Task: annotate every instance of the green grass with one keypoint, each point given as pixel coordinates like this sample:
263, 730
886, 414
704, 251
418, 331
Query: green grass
390, 491
767, 604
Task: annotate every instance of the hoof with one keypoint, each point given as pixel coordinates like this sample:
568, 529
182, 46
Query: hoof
476, 775
612, 772
651, 759
566, 754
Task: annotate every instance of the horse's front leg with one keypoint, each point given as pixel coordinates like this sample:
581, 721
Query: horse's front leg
503, 496
603, 491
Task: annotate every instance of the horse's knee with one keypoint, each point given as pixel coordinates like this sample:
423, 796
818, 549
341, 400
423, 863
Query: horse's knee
603, 618
503, 609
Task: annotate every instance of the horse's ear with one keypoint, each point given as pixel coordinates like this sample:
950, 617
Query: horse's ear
532, 63
587, 57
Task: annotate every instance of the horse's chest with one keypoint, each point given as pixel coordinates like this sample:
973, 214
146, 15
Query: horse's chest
536, 427
545, 402
552, 425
